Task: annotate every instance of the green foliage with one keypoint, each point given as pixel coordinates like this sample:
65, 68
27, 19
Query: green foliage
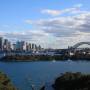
5, 82
72, 81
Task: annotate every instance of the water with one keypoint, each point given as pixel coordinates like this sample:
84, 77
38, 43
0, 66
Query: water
23, 74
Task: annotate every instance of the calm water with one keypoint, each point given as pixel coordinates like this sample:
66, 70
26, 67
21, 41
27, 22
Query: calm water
23, 74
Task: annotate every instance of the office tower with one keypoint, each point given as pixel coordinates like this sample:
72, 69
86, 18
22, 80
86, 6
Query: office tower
33, 46
39, 47
1, 43
9, 46
28, 47
20, 45
14, 47
6, 45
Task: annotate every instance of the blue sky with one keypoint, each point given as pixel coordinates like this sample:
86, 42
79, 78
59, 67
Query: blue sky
45, 22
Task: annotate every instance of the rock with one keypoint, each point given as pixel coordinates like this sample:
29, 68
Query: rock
5, 82
72, 81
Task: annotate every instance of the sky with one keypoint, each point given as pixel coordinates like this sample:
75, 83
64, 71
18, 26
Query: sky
50, 23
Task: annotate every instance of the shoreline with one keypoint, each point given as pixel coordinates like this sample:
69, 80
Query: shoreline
32, 58
5, 82
71, 81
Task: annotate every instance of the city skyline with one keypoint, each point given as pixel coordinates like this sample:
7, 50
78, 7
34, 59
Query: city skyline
55, 24
6, 45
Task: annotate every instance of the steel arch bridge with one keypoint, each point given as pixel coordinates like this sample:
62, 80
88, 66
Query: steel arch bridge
79, 44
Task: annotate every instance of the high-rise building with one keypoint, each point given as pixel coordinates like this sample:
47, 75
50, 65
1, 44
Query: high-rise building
20, 45
9, 46
28, 47
14, 47
36, 47
33, 46
6, 45
1, 43
39, 47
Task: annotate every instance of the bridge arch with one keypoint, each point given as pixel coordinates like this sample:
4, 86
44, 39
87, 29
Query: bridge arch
79, 44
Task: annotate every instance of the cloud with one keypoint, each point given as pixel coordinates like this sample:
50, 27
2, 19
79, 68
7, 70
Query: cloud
51, 12
47, 40
32, 36
65, 30
65, 26
57, 32
73, 10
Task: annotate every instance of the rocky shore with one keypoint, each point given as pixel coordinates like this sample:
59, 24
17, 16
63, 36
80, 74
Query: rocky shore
71, 81
5, 82
25, 58
32, 58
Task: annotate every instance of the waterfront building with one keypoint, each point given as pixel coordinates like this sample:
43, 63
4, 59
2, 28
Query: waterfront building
19, 45
33, 46
6, 45
14, 47
39, 47
9, 46
36, 47
28, 47
1, 43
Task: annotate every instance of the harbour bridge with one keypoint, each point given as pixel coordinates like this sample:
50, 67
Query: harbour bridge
79, 44
76, 46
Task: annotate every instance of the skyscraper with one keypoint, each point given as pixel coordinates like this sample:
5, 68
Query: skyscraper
28, 47
20, 45
33, 46
6, 45
1, 43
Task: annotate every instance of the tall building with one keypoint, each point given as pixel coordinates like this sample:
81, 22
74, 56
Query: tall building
14, 47
36, 48
33, 46
28, 47
6, 45
20, 45
1, 43
9, 46
39, 47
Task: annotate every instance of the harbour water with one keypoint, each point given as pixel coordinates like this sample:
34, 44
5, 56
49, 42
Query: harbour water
25, 74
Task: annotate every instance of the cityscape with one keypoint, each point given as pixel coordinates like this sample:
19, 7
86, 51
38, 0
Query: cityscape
6, 45
24, 51
44, 44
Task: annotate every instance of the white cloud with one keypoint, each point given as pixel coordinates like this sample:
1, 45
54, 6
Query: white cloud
51, 12
57, 32
65, 26
73, 10
32, 36
66, 30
